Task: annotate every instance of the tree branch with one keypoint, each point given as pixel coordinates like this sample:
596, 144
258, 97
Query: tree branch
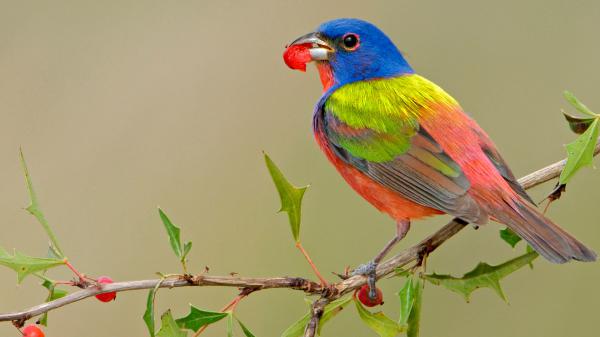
327, 294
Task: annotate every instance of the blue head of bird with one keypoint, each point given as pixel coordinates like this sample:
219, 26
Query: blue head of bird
355, 50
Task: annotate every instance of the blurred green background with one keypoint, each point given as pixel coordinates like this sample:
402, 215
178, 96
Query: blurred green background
121, 106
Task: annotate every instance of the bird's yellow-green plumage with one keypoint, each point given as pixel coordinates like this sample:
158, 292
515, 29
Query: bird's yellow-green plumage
376, 119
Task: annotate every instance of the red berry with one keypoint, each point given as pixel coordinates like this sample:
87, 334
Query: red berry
106, 297
32, 331
363, 296
297, 56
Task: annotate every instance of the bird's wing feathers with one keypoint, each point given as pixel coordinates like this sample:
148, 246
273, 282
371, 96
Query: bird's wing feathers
395, 151
422, 173
494, 156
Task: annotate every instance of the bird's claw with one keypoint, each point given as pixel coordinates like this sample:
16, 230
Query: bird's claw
368, 269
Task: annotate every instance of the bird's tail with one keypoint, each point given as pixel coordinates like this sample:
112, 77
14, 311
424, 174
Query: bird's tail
546, 237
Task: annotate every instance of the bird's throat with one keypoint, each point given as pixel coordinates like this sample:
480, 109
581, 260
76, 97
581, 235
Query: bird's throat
326, 75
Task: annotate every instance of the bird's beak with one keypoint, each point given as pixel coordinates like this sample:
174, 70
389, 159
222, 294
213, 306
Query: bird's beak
320, 50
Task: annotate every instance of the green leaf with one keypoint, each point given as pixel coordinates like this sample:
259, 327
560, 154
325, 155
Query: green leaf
297, 328
509, 237
483, 276
186, 249
53, 294
25, 265
414, 319
401, 272
173, 232
578, 124
580, 152
331, 310
149, 313
57, 293
229, 324
43, 320
34, 209
529, 249
407, 301
378, 322
197, 318
577, 104
290, 195
52, 253
168, 327
246, 331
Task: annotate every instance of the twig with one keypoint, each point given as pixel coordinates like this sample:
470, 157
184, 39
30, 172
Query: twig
316, 312
328, 294
312, 264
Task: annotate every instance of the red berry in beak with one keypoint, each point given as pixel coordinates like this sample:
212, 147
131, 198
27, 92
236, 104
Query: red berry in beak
363, 296
106, 297
297, 56
32, 331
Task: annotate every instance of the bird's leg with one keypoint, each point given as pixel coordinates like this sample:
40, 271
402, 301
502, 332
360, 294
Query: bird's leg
369, 269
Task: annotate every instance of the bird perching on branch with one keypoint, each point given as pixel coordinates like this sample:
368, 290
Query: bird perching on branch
407, 147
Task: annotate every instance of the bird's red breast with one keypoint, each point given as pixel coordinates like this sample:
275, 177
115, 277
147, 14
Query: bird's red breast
384, 199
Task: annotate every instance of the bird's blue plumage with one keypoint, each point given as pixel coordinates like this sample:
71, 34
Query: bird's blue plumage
377, 56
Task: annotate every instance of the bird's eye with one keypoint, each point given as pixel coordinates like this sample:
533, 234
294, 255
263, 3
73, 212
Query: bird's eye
350, 41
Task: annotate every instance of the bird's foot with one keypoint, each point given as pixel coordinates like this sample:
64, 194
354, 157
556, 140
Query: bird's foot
369, 270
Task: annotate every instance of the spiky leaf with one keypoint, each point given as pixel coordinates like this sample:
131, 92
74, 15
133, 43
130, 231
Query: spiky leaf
580, 152
407, 301
509, 237
173, 232
332, 309
245, 330
577, 104
578, 124
25, 265
414, 319
483, 276
35, 210
230, 325
168, 327
378, 322
53, 294
290, 195
297, 328
186, 249
149, 313
197, 318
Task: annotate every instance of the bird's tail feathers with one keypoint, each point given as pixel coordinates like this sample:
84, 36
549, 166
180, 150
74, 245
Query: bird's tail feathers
546, 237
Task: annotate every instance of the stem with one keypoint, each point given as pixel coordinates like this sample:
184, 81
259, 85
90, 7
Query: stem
184, 265
312, 265
79, 275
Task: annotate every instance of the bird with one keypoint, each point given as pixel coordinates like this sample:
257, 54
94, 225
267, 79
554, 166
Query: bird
406, 145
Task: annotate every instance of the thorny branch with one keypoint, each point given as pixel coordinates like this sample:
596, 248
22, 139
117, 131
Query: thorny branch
327, 293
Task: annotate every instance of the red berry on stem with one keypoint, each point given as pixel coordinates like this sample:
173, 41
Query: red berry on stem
106, 297
363, 296
297, 56
32, 331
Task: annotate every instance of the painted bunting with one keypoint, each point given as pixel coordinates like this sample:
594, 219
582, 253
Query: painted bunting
407, 147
